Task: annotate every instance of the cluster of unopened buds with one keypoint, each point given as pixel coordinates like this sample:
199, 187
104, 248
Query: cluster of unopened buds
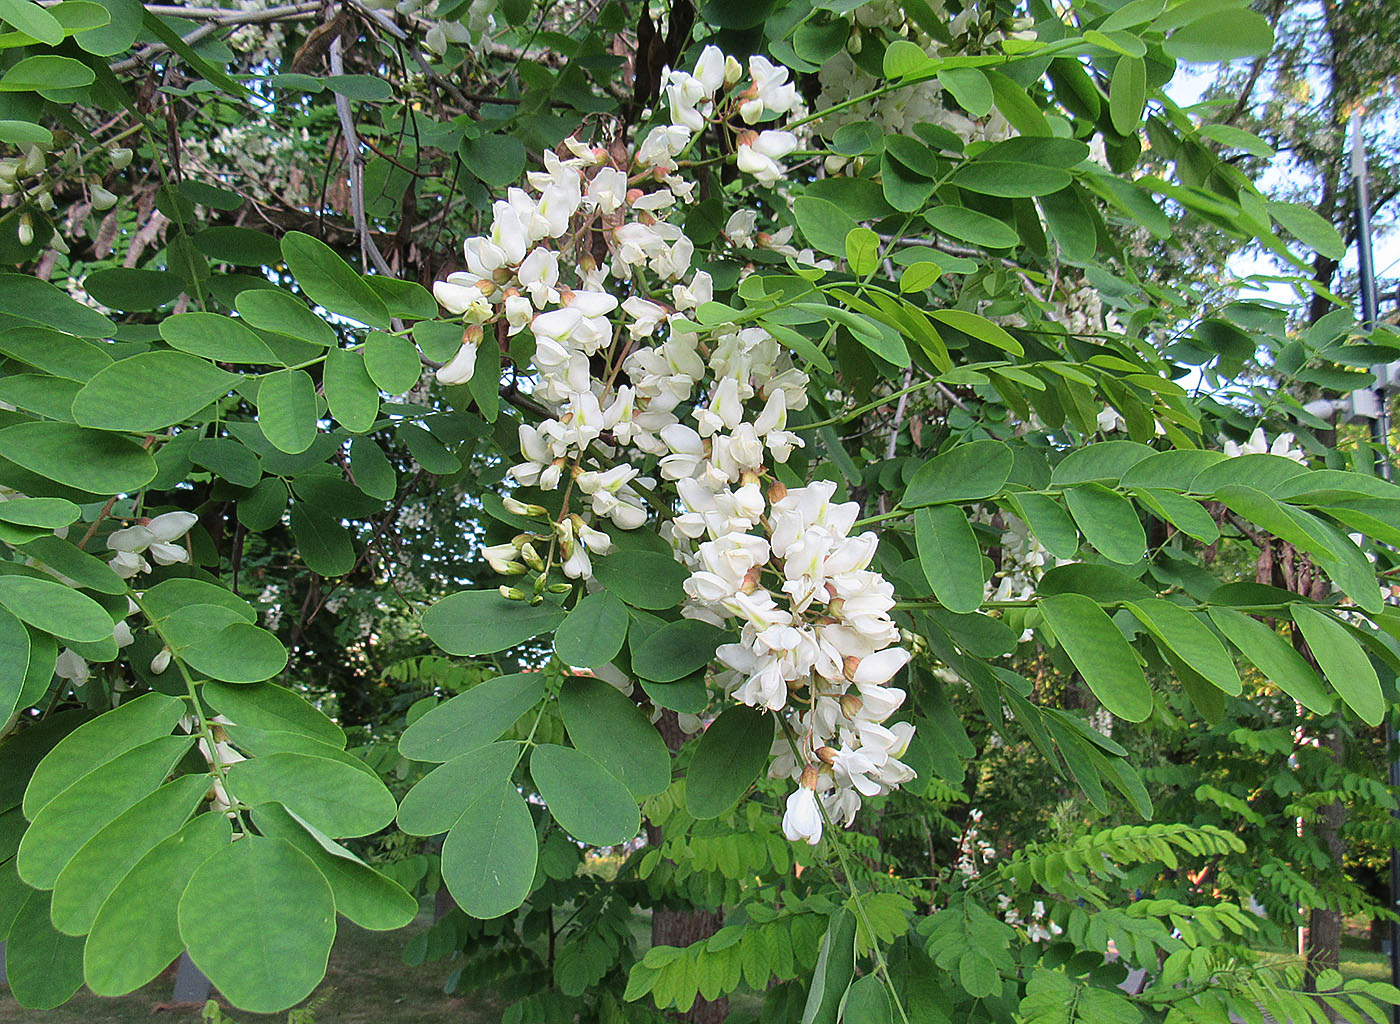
650, 413
572, 538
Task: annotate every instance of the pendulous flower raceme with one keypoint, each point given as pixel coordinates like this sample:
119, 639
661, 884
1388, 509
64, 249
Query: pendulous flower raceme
653, 416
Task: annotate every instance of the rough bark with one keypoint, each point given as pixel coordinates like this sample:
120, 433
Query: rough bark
682, 926
1324, 942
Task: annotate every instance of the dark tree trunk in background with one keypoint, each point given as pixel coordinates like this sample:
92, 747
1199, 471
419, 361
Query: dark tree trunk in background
682, 927
1325, 926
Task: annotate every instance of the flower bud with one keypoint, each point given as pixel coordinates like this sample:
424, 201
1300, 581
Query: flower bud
26, 230
511, 593
560, 588
161, 661
9, 170
119, 158
541, 581
531, 557
519, 508
34, 161
733, 70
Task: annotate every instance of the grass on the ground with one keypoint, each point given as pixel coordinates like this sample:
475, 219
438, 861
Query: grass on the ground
367, 983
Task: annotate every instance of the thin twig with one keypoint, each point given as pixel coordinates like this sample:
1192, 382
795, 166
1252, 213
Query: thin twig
292, 12
369, 249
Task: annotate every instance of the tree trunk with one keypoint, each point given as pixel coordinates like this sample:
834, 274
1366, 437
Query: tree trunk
672, 927
1324, 943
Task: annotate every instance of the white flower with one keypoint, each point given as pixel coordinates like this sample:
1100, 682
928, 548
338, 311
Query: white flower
161, 661
462, 298
662, 145
803, 819
759, 154
879, 668
771, 92
538, 275
155, 537
1110, 420
646, 316
73, 667
608, 190
740, 227
1258, 444
710, 68
461, 367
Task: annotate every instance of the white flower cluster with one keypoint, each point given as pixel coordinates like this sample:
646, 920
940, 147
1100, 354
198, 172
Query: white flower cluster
1038, 928
897, 112
635, 379
973, 850
1258, 444
819, 648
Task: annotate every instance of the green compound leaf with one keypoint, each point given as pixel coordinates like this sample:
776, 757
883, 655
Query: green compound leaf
483, 622
1275, 657
651, 580
109, 735
435, 803
593, 632
332, 796
287, 410
259, 919
136, 934
950, 557
1100, 652
238, 653
589, 802
14, 662
1343, 662
82, 810
489, 857
102, 862
330, 281
43, 966
1108, 521
676, 650
966, 472
90, 460
56, 609
392, 362
323, 543
836, 966
362, 894
1190, 640
472, 719
351, 394
731, 754
611, 729
215, 337
272, 707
